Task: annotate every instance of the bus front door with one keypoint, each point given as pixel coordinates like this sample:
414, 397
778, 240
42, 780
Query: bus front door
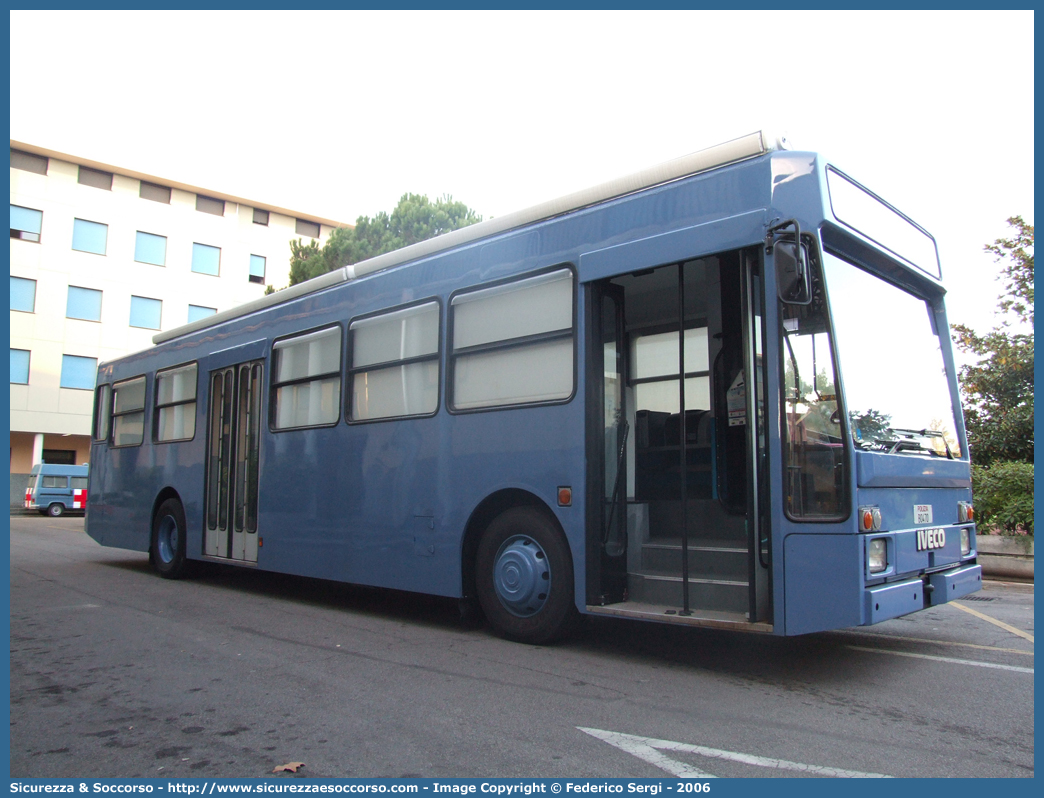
233, 448
674, 422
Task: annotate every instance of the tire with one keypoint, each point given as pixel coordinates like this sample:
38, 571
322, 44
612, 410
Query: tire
167, 549
524, 577
56, 510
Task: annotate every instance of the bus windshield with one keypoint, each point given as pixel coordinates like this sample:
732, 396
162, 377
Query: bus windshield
895, 384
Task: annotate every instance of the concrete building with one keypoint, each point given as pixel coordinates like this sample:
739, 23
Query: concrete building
102, 258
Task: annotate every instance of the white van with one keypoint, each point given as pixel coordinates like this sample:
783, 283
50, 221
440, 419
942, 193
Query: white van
56, 489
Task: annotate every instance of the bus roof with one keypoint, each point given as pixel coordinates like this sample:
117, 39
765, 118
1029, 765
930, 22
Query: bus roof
743, 148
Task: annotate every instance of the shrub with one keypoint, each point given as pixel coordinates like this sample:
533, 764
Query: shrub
1003, 495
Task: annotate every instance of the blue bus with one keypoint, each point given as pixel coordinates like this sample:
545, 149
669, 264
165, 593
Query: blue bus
719, 392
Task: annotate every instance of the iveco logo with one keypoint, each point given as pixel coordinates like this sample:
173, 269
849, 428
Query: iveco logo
931, 539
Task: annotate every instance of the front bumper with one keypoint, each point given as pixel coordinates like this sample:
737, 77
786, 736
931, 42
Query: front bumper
882, 602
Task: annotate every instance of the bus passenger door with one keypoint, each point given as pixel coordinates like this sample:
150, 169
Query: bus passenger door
233, 448
676, 441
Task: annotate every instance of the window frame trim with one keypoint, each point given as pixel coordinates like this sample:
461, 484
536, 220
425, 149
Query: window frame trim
847, 460
350, 372
156, 406
510, 343
273, 386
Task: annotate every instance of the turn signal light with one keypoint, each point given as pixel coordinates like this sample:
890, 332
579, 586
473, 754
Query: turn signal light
965, 512
565, 497
869, 519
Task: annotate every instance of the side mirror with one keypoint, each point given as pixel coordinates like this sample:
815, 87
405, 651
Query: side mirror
793, 280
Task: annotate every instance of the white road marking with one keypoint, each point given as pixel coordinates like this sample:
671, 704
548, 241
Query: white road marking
648, 749
953, 660
855, 633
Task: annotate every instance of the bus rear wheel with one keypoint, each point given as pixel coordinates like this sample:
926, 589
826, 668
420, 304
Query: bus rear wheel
524, 577
56, 510
167, 551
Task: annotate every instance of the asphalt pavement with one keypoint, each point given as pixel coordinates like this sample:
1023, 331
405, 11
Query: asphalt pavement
116, 672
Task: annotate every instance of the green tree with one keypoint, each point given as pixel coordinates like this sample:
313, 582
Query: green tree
998, 388
415, 218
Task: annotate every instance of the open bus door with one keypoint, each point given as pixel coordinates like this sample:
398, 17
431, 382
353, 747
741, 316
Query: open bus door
677, 522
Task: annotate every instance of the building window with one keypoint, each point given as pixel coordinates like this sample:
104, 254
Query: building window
28, 162
175, 416
145, 312
79, 373
197, 312
128, 412
19, 366
306, 228
83, 303
206, 259
306, 384
513, 343
89, 236
210, 205
150, 248
23, 294
394, 366
260, 217
151, 191
95, 177
63, 457
257, 269
26, 223
102, 406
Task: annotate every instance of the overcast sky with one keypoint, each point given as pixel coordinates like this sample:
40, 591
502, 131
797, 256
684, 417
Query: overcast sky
337, 114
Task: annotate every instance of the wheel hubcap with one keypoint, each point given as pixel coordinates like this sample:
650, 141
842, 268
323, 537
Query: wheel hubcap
167, 539
522, 576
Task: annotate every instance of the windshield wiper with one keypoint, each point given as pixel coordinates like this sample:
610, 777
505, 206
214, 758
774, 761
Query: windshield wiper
904, 441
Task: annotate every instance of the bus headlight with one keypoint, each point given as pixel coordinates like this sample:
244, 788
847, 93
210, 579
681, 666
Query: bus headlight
877, 555
965, 541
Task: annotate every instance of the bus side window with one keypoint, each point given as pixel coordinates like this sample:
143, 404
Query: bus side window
102, 408
306, 380
513, 343
128, 412
394, 364
175, 416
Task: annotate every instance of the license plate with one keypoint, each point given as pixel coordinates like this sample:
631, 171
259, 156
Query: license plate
929, 539
922, 513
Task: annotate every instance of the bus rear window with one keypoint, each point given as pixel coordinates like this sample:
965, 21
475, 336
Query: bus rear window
513, 343
128, 412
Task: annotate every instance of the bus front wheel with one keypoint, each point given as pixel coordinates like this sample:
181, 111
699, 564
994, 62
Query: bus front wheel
524, 577
167, 552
